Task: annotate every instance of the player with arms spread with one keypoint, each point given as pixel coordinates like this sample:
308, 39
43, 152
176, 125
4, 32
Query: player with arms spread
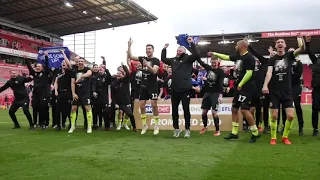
279, 74
244, 69
148, 85
80, 87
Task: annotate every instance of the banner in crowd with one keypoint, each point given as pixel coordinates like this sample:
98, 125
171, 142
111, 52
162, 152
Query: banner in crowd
55, 56
182, 40
165, 114
315, 32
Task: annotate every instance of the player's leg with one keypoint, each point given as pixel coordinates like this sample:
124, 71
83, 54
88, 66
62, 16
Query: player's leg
43, 110
12, 112
53, 102
128, 111
58, 111
126, 120
175, 101
185, 99
215, 109
205, 106
119, 117
245, 98
235, 118
85, 117
144, 96
25, 108
94, 114
315, 111
298, 108
86, 103
274, 106
287, 104
106, 117
153, 95
73, 114
35, 109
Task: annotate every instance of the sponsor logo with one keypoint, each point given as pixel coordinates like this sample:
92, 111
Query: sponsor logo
162, 109
193, 122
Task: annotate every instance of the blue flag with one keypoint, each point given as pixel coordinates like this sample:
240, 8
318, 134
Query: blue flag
182, 40
55, 56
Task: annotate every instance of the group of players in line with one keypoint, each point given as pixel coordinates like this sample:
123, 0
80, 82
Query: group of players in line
77, 85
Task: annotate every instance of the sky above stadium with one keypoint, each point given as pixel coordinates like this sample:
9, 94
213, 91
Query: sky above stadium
203, 17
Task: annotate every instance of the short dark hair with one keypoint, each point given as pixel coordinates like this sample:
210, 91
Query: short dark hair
214, 57
150, 46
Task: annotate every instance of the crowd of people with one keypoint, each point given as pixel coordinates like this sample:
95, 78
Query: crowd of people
257, 83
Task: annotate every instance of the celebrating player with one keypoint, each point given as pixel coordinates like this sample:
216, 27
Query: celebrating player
148, 85
280, 74
244, 68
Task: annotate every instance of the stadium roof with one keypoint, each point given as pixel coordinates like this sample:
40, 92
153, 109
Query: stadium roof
263, 41
64, 17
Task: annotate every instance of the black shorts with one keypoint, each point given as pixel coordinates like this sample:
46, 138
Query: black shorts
147, 93
84, 99
316, 99
64, 97
256, 100
283, 98
134, 94
242, 99
210, 100
21, 102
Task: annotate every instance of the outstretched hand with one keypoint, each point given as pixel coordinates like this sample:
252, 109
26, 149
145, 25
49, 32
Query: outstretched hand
130, 42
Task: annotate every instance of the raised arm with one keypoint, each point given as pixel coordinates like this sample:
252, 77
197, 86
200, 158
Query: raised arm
126, 70
301, 45
103, 60
66, 59
195, 54
220, 56
87, 74
129, 51
46, 62
312, 56
254, 52
164, 58
30, 68
27, 79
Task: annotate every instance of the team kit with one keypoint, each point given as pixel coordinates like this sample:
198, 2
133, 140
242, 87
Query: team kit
99, 93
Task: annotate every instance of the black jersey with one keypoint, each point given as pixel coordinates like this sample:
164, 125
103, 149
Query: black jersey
40, 79
121, 89
84, 84
64, 80
149, 79
282, 72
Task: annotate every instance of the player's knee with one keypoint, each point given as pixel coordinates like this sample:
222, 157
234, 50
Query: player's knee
234, 110
290, 116
11, 112
88, 108
274, 115
74, 109
214, 114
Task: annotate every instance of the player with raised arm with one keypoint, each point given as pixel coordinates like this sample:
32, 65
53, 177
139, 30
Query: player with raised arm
148, 85
279, 75
181, 86
80, 87
244, 69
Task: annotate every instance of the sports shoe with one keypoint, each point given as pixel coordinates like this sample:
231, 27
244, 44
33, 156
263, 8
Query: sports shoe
260, 129
126, 126
71, 129
254, 138
119, 126
89, 130
203, 130
265, 130
301, 132
144, 129
217, 133
231, 136
286, 141
315, 132
176, 133
156, 130
187, 133
16, 127
134, 130
273, 141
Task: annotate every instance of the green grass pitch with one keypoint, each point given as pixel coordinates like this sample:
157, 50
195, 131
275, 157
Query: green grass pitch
50, 155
